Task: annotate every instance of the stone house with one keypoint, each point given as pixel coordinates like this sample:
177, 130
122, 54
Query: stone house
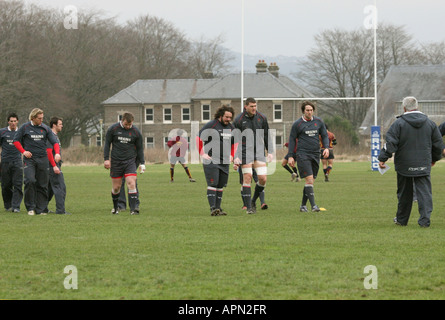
161, 106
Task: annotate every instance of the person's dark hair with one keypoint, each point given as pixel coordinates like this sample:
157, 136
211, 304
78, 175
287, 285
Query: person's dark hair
223, 109
307, 103
127, 116
13, 115
53, 121
249, 100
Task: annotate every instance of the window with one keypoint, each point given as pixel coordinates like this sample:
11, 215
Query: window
119, 117
149, 115
185, 115
149, 142
205, 112
277, 113
167, 115
279, 141
165, 143
98, 141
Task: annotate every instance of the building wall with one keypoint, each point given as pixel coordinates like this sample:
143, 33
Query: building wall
158, 130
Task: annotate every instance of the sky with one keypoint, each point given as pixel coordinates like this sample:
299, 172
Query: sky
272, 27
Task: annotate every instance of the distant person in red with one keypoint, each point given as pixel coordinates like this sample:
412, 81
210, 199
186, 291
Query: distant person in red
178, 153
285, 165
328, 162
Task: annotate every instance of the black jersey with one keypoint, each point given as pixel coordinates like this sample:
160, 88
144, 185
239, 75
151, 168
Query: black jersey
307, 133
9, 151
221, 149
33, 138
127, 144
260, 129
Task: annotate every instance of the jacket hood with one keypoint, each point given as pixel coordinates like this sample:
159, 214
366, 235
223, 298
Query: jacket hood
414, 118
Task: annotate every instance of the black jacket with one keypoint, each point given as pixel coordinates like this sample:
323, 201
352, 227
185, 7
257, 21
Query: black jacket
416, 142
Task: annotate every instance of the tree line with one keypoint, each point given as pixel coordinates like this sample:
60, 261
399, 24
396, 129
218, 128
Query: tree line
341, 64
68, 72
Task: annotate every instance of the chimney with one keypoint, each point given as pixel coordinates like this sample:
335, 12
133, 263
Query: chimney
208, 75
273, 69
261, 66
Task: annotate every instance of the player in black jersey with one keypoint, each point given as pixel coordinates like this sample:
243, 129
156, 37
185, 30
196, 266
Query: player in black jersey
31, 140
11, 166
127, 146
307, 130
216, 147
255, 140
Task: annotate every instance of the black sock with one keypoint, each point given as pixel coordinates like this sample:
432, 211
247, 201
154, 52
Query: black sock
287, 168
211, 197
115, 198
309, 193
219, 193
295, 170
258, 189
132, 199
188, 172
247, 194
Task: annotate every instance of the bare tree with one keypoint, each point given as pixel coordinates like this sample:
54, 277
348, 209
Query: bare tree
342, 65
209, 56
160, 49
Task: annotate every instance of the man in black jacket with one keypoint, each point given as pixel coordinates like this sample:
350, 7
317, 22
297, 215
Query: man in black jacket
417, 144
255, 140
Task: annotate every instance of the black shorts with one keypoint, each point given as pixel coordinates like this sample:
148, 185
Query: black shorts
124, 168
308, 165
331, 154
217, 175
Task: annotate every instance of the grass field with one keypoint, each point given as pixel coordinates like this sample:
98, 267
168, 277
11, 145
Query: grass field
175, 250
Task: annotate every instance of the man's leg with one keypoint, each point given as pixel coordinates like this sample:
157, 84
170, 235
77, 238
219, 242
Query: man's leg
6, 185
29, 172
42, 177
405, 199
261, 170
17, 181
247, 191
424, 199
132, 192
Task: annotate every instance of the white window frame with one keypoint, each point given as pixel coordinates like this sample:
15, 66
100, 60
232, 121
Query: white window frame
147, 144
275, 109
165, 140
189, 114
209, 111
153, 114
171, 114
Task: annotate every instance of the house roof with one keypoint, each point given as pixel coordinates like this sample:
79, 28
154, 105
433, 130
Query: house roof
160, 91
258, 85
176, 91
425, 82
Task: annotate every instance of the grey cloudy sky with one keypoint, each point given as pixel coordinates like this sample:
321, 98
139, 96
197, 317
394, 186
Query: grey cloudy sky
272, 27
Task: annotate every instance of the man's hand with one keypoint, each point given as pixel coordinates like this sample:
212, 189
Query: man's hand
291, 161
56, 170
107, 164
57, 158
326, 153
142, 168
27, 154
269, 157
382, 165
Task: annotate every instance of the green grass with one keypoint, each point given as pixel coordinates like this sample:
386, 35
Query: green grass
175, 250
